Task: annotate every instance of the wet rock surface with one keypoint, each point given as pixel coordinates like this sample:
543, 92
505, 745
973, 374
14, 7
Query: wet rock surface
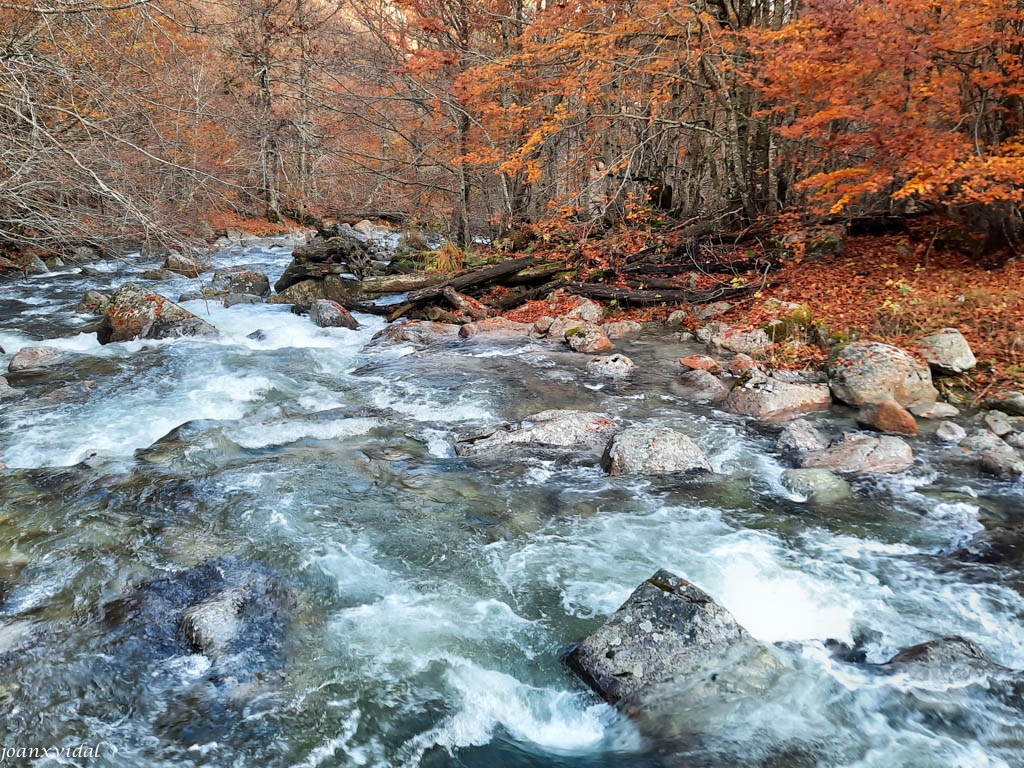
136, 313
857, 454
869, 372
645, 450
585, 430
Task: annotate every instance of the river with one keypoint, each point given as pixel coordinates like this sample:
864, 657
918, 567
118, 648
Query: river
429, 597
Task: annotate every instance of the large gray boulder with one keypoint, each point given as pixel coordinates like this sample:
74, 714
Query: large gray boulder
587, 430
417, 332
754, 343
947, 352
137, 313
949, 661
671, 643
303, 293
330, 314
859, 454
183, 265
641, 450
611, 366
241, 280
798, 438
870, 372
769, 399
700, 387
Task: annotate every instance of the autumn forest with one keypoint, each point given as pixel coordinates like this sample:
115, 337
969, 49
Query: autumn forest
487, 118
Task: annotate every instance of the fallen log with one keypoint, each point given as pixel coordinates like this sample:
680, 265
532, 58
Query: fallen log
643, 298
474, 279
529, 294
390, 284
471, 307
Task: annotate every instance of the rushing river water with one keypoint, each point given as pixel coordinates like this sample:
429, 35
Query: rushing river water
421, 601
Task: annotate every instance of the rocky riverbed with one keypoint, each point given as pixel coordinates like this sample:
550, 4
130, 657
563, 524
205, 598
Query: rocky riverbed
236, 535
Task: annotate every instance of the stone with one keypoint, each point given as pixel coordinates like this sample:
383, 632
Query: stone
666, 637
700, 387
156, 274
1007, 402
706, 332
622, 329
586, 430
348, 253
710, 311
741, 363
33, 265
234, 299
981, 442
1016, 440
365, 227
641, 450
676, 319
213, 627
330, 314
496, 327
769, 399
935, 411
28, 358
870, 372
817, 484
754, 343
611, 366
418, 332
562, 325
241, 280
887, 416
587, 310
947, 352
183, 265
858, 454
6, 390
998, 423
93, 303
588, 338
303, 293
1005, 466
950, 432
137, 313
699, 363
948, 661
543, 324
798, 438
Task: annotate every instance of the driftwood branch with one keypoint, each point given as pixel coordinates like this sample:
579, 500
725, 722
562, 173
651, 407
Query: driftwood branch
648, 298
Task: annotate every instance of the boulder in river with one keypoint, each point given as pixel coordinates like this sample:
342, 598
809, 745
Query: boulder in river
888, 416
769, 399
93, 303
136, 313
947, 352
6, 390
670, 644
622, 329
699, 363
1000, 424
302, 294
28, 358
870, 372
496, 328
1008, 402
418, 332
588, 338
798, 438
935, 411
587, 430
951, 660
156, 274
183, 265
241, 280
348, 252
859, 454
642, 450
950, 432
700, 387
234, 299
611, 366
330, 314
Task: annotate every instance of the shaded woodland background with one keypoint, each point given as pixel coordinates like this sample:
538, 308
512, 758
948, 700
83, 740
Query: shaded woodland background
164, 117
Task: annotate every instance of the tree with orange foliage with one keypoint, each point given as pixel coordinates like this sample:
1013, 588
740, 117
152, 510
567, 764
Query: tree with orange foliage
889, 102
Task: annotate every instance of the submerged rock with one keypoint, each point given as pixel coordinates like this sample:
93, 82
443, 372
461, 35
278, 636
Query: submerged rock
700, 387
587, 430
641, 450
950, 660
818, 485
857, 454
670, 647
330, 314
135, 313
870, 372
947, 352
769, 399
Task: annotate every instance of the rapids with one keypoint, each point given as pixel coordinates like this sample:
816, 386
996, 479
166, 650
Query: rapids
435, 595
